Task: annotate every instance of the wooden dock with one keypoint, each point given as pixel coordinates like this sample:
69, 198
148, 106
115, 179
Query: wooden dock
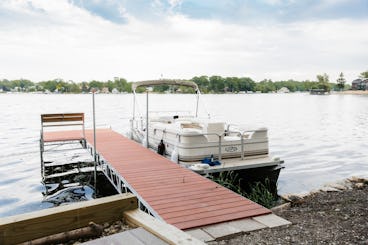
169, 192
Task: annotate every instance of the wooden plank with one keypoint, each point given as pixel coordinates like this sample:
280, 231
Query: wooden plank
194, 194
195, 197
201, 187
190, 205
61, 114
207, 220
164, 231
69, 117
157, 184
63, 136
62, 125
173, 186
208, 211
26, 227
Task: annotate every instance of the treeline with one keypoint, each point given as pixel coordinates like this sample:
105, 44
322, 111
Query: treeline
217, 84
61, 86
213, 84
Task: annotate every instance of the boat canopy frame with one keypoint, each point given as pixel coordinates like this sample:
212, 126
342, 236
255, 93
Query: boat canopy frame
178, 82
148, 83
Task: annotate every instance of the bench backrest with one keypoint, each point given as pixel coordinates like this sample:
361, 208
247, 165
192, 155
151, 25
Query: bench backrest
62, 119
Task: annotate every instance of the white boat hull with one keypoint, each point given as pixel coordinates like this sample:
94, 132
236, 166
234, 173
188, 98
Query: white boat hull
195, 145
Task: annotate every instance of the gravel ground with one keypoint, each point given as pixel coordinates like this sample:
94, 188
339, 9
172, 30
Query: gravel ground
339, 217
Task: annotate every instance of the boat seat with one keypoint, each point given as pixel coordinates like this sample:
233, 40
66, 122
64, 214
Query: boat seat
260, 133
213, 130
190, 131
191, 125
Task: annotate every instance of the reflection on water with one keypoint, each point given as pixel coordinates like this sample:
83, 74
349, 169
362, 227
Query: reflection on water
321, 138
70, 194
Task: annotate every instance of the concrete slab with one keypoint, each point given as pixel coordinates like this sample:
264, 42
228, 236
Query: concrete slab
146, 237
200, 235
246, 225
221, 231
271, 220
137, 236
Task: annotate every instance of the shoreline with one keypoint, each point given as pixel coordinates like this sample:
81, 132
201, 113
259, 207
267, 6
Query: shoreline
336, 214
353, 92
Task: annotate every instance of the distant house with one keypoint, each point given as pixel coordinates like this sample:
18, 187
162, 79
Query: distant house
105, 90
283, 90
359, 84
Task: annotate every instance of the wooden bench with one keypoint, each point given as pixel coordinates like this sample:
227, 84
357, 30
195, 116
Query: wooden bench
62, 120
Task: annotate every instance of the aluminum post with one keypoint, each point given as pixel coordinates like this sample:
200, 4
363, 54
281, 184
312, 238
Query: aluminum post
94, 140
147, 144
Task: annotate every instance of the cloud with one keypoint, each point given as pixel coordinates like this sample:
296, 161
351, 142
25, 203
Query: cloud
110, 10
68, 41
230, 11
266, 11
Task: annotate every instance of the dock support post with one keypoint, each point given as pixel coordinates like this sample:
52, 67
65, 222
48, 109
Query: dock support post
220, 146
197, 92
147, 143
94, 142
242, 146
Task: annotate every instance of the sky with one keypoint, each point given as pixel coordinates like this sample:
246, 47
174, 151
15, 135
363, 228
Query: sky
84, 40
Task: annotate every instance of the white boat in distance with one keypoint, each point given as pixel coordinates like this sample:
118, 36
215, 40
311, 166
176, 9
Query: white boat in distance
189, 139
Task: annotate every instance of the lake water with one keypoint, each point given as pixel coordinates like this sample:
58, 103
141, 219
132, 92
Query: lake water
321, 138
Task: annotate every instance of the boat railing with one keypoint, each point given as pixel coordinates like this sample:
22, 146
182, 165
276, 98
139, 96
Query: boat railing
239, 133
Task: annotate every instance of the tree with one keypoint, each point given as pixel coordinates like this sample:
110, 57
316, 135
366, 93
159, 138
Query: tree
232, 84
247, 84
323, 78
341, 81
96, 84
217, 84
85, 87
120, 84
323, 82
73, 88
364, 74
265, 86
202, 82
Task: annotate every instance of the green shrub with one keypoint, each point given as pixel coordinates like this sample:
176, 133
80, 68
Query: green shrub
259, 192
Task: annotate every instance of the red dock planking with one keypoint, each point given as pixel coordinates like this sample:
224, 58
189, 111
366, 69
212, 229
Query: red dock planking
54, 136
178, 195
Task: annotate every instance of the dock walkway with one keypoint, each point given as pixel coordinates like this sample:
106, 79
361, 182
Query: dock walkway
171, 193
